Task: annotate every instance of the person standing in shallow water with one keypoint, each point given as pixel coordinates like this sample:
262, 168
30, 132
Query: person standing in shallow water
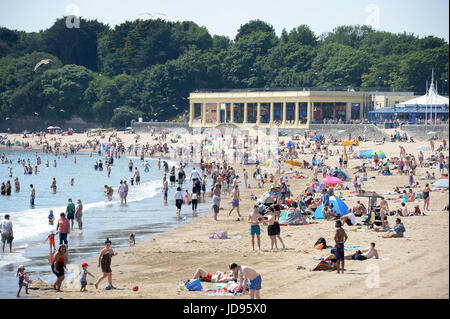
79, 214
104, 259
53, 186
70, 211
32, 195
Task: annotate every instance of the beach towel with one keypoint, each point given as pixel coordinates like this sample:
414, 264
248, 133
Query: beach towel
325, 266
349, 247
224, 289
222, 293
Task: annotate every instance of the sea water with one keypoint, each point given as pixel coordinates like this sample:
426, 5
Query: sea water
145, 213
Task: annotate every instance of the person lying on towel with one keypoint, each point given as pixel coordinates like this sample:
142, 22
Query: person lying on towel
219, 276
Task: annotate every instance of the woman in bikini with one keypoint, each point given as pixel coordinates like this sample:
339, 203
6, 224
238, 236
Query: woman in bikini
105, 260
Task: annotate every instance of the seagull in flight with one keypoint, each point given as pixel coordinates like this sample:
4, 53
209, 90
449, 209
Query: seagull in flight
45, 61
152, 15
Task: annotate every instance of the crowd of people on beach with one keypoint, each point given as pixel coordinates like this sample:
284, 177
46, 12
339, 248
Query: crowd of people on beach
214, 176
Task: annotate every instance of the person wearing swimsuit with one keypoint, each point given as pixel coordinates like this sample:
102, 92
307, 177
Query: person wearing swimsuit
104, 260
58, 266
426, 197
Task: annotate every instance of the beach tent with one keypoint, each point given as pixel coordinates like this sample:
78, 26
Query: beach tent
379, 153
291, 217
338, 206
442, 183
340, 174
365, 154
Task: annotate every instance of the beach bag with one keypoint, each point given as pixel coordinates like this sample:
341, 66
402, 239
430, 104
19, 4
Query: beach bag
193, 285
322, 241
221, 235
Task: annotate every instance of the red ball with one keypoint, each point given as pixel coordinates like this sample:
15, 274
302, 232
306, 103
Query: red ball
135, 288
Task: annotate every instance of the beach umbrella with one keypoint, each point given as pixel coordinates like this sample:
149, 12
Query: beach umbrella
380, 153
424, 148
50, 128
290, 144
442, 183
331, 181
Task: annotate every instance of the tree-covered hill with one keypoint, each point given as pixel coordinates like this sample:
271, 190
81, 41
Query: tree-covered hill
148, 67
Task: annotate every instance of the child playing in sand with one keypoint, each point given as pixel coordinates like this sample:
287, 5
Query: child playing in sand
82, 274
23, 279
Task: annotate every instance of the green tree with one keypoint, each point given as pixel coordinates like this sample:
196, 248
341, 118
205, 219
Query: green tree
254, 26
123, 115
63, 90
74, 45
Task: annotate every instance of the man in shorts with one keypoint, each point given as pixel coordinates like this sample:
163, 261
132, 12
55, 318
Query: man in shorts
254, 218
70, 211
32, 195
235, 201
7, 233
364, 254
215, 205
248, 278
349, 219
340, 238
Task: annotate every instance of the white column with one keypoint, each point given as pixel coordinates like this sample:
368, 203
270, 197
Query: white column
245, 113
191, 113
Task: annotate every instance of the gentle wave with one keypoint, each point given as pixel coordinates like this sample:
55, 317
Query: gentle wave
34, 222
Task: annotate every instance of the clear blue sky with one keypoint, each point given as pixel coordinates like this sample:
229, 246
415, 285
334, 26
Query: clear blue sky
224, 17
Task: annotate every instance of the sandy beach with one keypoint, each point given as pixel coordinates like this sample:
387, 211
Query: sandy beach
413, 267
